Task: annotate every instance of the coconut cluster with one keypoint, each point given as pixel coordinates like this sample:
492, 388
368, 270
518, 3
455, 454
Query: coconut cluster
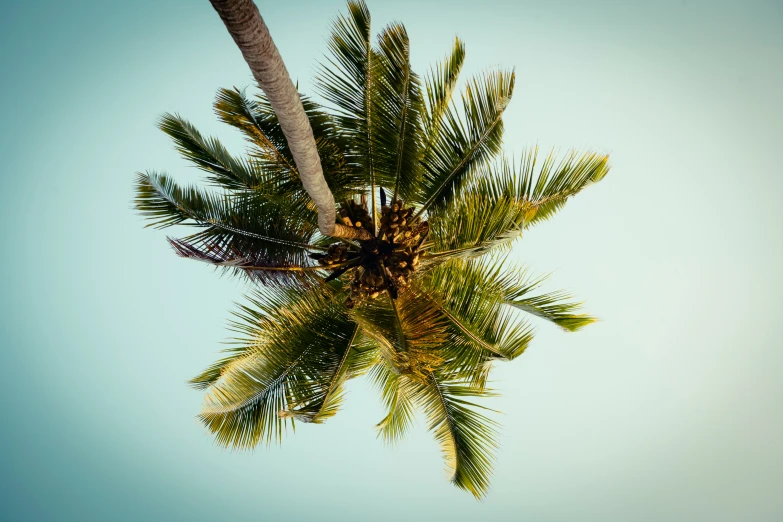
355, 214
335, 255
384, 263
389, 260
395, 226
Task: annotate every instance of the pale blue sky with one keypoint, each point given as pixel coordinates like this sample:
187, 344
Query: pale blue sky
669, 409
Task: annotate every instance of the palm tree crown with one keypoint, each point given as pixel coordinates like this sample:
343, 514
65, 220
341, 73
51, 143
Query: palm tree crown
426, 305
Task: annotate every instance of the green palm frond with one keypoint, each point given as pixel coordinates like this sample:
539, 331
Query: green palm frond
499, 201
476, 221
162, 201
241, 232
296, 341
408, 330
461, 145
367, 355
246, 214
545, 192
209, 155
398, 105
556, 306
440, 84
481, 328
325, 403
467, 438
396, 391
346, 81
213, 372
488, 287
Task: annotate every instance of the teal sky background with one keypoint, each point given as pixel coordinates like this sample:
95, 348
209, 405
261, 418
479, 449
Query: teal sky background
671, 408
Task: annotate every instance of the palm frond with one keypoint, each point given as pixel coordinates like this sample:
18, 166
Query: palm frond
499, 201
545, 192
221, 252
408, 330
241, 232
209, 155
162, 201
463, 144
296, 340
556, 306
481, 329
467, 438
364, 356
440, 84
213, 372
246, 214
485, 288
396, 390
397, 107
346, 82
325, 403
476, 221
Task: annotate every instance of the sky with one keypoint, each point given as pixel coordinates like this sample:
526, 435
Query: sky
670, 408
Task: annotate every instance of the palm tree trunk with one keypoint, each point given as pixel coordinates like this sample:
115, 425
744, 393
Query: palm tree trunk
251, 35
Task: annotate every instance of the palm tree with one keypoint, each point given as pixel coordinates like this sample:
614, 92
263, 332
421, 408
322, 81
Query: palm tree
420, 298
